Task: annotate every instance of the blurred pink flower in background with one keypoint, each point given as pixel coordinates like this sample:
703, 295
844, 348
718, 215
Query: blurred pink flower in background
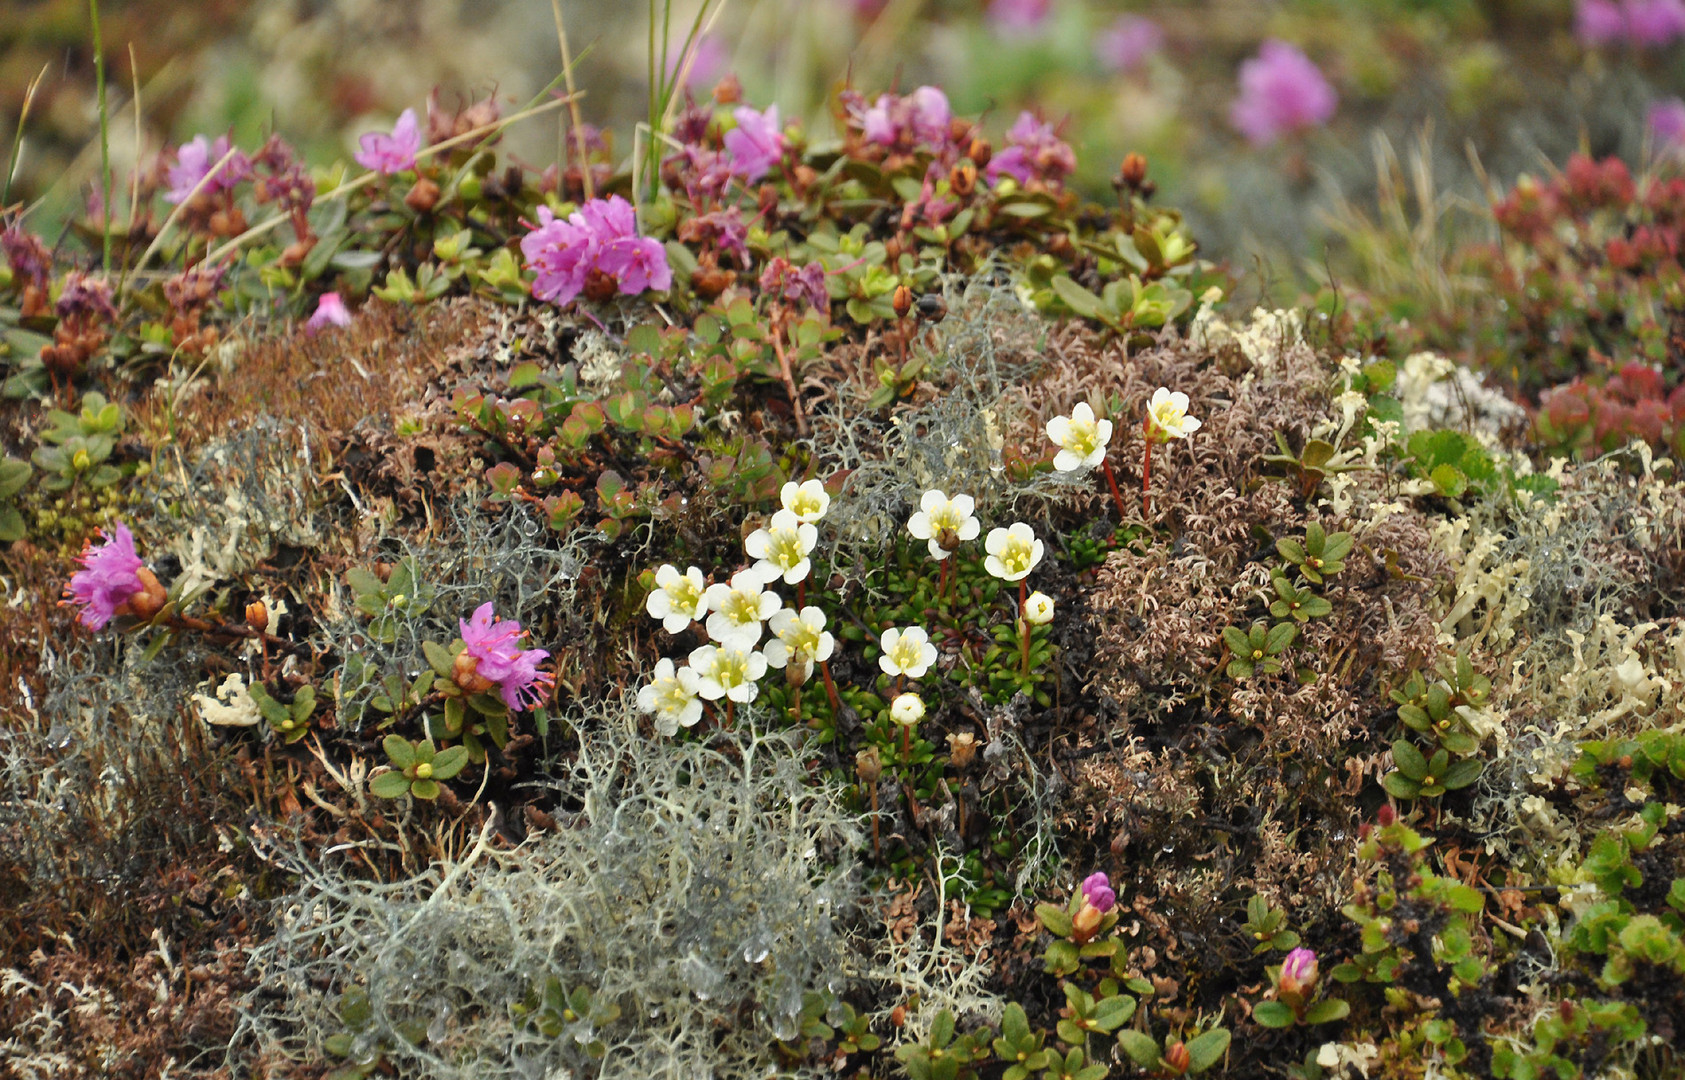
1018, 16
923, 116
1033, 150
194, 159
1280, 91
712, 58
1123, 45
1643, 24
1666, 121
388, 154
756, 144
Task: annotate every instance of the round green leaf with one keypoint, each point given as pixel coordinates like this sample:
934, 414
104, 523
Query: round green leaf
1327, 1010
449, 762
1141, 1048
424, 789
1273, 1014
389, 785
399, 750
1204, 1051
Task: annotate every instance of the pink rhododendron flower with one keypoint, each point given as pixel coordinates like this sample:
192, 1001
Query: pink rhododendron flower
109, 578
1298, 972
1018, 16
330, 311
756, 144
1599, 22
1651, 24
1280, 91
1666, 121
601, 237
495, 646
1033, 151
392, 153
922, 116
195, 159
1097, 891
1128, 42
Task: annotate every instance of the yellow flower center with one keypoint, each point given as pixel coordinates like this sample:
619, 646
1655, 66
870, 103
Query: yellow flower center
784, 548
671, 696
801, 638
1083, 438
804, 504
741, 608
1017, 556
907, 653
684, 594
731, 668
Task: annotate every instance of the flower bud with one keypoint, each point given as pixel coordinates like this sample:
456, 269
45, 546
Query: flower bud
1086, 922
728, 91
903, 301
1386, 815
1298, 973
150, 600
1038, 609
868, 766
423, 197
257, 616
979, 152
1134, 170
465, 673
1176, 1056
962, 179
907, 709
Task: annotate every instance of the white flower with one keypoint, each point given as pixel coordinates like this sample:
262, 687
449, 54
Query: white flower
678, 599
730, 671
782, 548
1038, 609
907, 709
740, 608
1081, 438
944, 522
801, 638
671, 696
808, 500
1167, 413
1013, 552
906, 652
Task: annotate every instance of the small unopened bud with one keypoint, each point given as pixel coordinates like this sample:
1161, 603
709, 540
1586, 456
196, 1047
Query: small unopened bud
903, 301
465, 673
423, 197
150, 600
257, 616
980, 151
1176, 1056
962, 749
962, 178
1086, 922
1134, 169
423, 770
796, 672
1386, 815
907, 709
868, 766
728, 91
1298, 974
1038, 609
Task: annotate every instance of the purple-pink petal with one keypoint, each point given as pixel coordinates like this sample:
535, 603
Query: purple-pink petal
392, 153
756, 144
601, 235
1127, 42
495, 644
1666, 121
108, 578
194, 160
330, 311
1651, 24
1018, 16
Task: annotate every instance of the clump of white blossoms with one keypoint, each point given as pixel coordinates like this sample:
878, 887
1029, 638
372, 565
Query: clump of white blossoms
799, 638
1013, 552
782, 548
738, 609
672, 697
808, 500
678, 599
906, 652
945, 523
1038, 609
1082, 440
1167, 415
731, 670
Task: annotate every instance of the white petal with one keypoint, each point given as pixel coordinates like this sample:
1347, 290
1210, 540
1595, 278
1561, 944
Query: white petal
1082, 413
692, 713
1059, 429
780, 621
1093, 460
995, 567
787, 494
769, 604
1190, 425
646, 698
827, 646
688, 679
937, 551
969, 528
1160, 396
716, 595
798, 573
776, 652
919, 525
1180, 400
659, 605
666, 575
888, 665
1103, 432
784, 519
995, 543
933, 500
1066, 461
963, 505
676, 622
757, 665
887, 642
757, 543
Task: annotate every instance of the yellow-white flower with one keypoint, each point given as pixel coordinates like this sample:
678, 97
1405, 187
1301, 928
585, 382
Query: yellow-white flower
1013, 552
800, 638
944, 522
731, 670
1081, 438
1167, 415
678, 598
672, 697
1038, 609
808, 500
739, 608
907, 709
782, 548
906, 652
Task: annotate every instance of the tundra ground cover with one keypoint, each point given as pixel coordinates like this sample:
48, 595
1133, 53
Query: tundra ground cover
584, 622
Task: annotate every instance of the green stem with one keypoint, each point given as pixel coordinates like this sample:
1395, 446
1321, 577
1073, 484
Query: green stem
104, 137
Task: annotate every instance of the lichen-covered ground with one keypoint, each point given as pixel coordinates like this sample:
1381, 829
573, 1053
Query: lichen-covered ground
1366, 702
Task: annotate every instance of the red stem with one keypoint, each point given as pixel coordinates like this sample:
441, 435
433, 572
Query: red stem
1147, 466
1111, 480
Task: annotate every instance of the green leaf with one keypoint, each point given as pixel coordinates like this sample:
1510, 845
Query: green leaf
1113, 1012
1077, 298
1400, 786
1409, 759
1055, 919
1327, 1011
1206, 1050
1280, 636
1273, 1014
1140, 1047
1336, 548
1462, 774
400, 750
1237, 641
942, 1029
389, 785
449, 762
425, 789
1449, 480
1291, 550
438, 658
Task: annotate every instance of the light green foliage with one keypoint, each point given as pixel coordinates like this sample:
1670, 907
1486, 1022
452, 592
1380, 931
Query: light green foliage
77, 446
417, 768
14, 475
289, 722
1267, 925
1258, 650
402, 596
